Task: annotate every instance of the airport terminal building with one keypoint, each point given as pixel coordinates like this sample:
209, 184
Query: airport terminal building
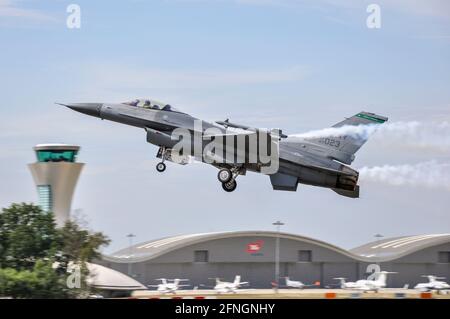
251, 254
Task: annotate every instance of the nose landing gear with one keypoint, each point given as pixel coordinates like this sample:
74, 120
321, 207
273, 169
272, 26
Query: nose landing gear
161, 167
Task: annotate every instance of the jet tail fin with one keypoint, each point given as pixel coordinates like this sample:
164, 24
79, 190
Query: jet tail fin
343, 147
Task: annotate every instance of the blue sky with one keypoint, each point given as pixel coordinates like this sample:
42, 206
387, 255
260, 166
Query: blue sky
297, 65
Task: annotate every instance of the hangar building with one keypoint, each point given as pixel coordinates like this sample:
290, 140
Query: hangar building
251, 254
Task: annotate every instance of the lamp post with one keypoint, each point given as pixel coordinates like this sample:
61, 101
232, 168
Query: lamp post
130, 239
278, 224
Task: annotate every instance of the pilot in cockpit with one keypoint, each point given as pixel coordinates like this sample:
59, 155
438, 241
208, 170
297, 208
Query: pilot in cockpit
147, 103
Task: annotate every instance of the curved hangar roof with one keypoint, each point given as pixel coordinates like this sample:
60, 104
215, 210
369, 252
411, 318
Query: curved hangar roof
383, 250
154, 248
391, 248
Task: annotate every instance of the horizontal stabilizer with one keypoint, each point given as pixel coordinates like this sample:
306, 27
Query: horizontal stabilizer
347, 193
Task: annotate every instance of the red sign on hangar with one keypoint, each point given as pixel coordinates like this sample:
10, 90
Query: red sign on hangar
255, 247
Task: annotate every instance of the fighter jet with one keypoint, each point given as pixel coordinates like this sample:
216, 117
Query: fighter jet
317, 161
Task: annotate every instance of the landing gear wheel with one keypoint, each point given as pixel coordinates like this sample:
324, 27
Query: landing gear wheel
229, 186
224, 175
161, 167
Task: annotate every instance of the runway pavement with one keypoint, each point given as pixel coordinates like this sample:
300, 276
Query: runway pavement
389, 293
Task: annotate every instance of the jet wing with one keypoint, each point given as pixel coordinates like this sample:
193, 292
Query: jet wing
230, 133
243, 130
228, 124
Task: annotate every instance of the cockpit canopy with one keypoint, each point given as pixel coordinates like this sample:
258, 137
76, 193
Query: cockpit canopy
152, 104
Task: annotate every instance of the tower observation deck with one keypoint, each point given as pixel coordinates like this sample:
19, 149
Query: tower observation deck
55, 174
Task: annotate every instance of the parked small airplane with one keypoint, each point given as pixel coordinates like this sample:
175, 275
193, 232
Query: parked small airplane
224, 286
298, 284
169, 285
433, 284
366, 284
317, 161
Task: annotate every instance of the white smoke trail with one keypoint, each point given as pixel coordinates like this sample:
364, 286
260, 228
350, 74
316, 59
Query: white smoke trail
413, 135
431, 136
357, 131
428, 174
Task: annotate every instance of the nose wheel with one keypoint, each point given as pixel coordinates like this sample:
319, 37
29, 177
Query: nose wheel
161, 167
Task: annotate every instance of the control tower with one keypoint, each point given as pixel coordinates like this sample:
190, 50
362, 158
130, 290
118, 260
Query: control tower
56, 174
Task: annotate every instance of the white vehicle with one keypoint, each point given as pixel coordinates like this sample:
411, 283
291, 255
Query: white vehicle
298, 284
366, 284
433, 284
294, 283
223, 286
169, 285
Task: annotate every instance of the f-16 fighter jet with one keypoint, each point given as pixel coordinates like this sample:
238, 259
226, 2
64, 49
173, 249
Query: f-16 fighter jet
234, 149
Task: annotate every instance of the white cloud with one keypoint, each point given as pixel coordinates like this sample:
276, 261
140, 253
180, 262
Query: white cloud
9, 8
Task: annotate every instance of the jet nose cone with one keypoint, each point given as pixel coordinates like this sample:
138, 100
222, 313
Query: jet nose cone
92, 109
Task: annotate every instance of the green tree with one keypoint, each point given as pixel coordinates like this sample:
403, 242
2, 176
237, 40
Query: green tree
26, 235
35, 255
81, 244
40, 282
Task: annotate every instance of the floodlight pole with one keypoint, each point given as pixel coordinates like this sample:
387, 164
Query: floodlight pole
278, 224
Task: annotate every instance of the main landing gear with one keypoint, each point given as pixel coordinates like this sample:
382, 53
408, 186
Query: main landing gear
228, 178
229, 186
